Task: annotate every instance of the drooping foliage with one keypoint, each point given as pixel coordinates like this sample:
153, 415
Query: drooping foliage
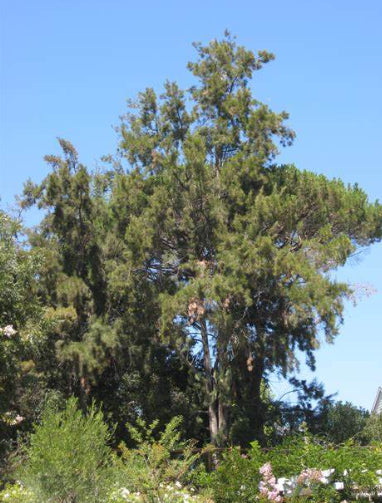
101, 336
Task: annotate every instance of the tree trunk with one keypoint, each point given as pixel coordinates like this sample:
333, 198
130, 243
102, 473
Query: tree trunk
210, 385
257, 413
223, 422
247, 392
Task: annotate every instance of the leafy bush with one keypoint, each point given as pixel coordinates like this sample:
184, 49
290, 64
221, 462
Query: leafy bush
157, 470
68, 459
237, 476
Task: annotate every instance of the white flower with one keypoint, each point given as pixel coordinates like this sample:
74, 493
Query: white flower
8, 331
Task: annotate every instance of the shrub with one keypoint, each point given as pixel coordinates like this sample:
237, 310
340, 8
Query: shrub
68, 459
157, 469
237, 476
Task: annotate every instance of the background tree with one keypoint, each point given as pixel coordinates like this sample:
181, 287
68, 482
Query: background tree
339, 421
372, 432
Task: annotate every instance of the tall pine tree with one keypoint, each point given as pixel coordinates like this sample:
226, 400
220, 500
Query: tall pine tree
180, 284
240, 249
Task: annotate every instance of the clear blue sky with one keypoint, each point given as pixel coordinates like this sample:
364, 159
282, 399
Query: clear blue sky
67, 68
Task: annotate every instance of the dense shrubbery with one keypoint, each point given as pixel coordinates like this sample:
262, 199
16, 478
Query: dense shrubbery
68, 459
307, 462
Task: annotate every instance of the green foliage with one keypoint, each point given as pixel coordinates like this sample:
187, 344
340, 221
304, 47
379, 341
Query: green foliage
153, 465
236, 477
339, 422
315, 491
99, 329
20, 311
239, 247
68, 459
354, 465
18, 282
372, 432
303, 460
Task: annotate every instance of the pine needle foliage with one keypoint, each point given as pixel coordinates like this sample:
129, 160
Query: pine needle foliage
195, 266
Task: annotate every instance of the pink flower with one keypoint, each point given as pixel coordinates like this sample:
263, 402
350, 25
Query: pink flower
268, 487
310, 475
266, 469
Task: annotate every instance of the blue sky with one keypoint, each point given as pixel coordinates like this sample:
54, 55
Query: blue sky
67, 68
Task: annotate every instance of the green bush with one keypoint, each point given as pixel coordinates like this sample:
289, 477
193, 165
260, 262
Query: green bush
68, 459
158, 469
236, 477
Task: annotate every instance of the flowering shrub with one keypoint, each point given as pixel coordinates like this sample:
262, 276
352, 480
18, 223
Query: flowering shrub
301, 469
315, 486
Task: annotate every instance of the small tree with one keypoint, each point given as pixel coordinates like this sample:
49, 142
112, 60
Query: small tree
68, 459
